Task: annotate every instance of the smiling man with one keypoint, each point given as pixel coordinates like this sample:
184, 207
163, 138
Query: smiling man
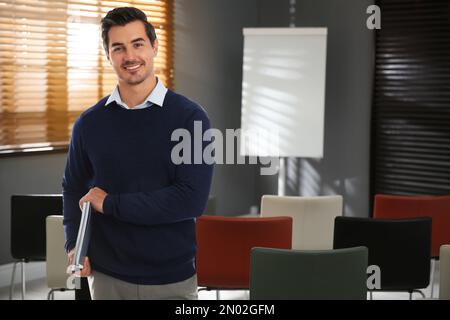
142, 244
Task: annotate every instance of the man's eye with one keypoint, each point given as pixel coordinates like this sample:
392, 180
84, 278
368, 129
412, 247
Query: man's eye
117, 49
138, 44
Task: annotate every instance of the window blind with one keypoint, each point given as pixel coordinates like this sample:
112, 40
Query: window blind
411, 110
53, 66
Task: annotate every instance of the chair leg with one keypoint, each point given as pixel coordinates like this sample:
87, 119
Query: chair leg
419, 292
23, 279
217, 294
13, 276
51, 295
410, 295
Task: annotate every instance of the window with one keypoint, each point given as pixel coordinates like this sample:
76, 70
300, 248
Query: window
53, 66
411, 110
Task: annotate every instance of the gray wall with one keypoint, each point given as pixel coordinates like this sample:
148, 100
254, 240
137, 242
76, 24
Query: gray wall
26, 174
344, 168
208, 69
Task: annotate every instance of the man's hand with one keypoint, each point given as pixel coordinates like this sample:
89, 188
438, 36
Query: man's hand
86, 271
95, 196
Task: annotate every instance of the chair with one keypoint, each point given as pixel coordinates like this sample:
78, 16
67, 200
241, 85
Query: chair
435, 207
444, 279
296, 275
224, 244
400, 248
313, 218
28, 214
56, 261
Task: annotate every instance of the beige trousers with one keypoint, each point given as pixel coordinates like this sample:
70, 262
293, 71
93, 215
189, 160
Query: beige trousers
104, 287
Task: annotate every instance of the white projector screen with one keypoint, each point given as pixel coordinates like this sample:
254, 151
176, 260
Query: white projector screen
283, 91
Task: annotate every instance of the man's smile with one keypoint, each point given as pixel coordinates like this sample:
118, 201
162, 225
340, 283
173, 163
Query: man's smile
133, 67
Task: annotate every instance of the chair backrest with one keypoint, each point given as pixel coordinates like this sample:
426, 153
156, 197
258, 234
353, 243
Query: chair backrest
224, 245
28, 213
401, 248
293, 275
313, 218
444, 277
56, 260
401, 207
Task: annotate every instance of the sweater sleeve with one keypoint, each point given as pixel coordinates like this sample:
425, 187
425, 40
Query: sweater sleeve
77, 175
185, 199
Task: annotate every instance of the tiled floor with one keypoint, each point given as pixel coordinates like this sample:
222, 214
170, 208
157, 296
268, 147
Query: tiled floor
37, 290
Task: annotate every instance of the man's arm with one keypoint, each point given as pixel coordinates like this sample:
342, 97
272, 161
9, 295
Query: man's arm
77, 176
185, 199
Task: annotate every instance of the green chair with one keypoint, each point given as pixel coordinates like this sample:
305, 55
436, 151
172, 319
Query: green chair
280, 274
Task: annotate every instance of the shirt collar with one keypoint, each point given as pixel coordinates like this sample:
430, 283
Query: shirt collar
155, 97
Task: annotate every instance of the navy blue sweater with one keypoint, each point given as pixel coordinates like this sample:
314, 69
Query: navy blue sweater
147, 232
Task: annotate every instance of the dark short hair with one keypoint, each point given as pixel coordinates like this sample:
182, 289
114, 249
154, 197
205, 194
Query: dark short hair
122, 16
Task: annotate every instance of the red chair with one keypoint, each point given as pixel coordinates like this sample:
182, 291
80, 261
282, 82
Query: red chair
224, 246
436, 207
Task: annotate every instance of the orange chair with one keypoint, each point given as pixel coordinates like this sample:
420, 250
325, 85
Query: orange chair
436, 207
224, 246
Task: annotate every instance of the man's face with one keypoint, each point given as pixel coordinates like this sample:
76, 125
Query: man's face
131, 53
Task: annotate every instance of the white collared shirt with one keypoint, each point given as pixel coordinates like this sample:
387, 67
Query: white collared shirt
155, 97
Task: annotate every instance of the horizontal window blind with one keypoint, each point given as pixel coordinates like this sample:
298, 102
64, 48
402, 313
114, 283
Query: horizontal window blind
53, 66
411, 110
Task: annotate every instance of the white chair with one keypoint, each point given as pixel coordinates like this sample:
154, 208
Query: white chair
56, 260
444, 279
313, 218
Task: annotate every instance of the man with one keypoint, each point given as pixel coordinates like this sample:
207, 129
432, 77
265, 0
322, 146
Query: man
142, 244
